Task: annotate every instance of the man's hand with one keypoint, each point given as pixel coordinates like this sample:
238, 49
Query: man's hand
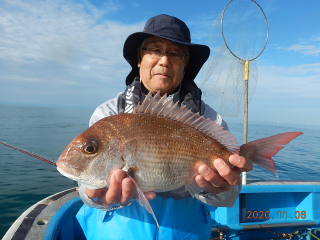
121, 190
220, 181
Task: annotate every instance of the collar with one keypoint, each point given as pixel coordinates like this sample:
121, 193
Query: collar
175, 95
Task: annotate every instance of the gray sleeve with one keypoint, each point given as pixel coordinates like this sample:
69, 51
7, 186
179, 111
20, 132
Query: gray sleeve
224, 199
106, 109
208, 112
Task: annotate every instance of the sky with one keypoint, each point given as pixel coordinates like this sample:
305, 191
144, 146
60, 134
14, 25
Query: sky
69, 53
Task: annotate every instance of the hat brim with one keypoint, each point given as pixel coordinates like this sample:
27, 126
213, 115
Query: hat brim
198, 55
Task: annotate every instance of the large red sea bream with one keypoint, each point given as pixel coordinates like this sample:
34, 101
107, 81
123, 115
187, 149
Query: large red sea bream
161, 144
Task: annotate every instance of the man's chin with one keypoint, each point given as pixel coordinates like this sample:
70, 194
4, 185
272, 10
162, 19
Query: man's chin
160, 83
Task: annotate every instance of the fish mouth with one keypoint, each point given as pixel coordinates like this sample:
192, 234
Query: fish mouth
64, 168
62, 163
69, 175
73, 167
91, 184
96, 184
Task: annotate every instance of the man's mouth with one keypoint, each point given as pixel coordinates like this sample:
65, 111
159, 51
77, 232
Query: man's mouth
162, 74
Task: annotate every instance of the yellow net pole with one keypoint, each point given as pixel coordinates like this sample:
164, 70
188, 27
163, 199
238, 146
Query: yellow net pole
245, 127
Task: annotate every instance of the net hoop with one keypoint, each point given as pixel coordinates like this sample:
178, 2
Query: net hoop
225, 42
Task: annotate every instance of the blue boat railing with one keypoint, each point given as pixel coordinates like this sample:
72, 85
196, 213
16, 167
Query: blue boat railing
282, 205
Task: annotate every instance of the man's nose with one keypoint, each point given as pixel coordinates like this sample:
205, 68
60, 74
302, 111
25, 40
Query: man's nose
164, 60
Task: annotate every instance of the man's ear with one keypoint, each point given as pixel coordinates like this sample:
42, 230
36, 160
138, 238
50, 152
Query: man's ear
138, 58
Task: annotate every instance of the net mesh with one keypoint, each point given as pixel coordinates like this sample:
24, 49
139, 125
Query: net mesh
222, 76
244, 28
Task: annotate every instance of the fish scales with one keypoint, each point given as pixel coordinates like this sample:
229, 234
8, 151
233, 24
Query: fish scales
167, 151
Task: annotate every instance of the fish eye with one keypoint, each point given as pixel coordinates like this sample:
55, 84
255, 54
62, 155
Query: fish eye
90, 147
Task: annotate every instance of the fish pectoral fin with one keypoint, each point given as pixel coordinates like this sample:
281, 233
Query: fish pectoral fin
134, 171
143, 201
132, 163
193, 188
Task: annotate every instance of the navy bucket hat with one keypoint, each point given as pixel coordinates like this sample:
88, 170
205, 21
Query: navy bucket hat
170, 28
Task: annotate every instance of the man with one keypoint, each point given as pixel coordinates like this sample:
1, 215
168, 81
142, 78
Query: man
163, 59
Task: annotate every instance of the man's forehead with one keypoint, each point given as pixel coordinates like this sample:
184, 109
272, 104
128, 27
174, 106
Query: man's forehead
155, 39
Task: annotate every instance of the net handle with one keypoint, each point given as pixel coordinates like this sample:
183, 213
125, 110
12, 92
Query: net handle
225, 42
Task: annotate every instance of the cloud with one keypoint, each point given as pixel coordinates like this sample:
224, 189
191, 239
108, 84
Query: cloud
296, 81
61, 43
307, 48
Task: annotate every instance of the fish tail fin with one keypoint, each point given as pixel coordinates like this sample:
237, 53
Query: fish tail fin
262, 150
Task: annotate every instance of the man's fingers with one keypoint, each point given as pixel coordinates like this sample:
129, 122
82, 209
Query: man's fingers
241, 163
114, 192
96, 193
204, 184
121, 190
220, 181
150, 195
209, 176
128, 191
207, 186
226, 173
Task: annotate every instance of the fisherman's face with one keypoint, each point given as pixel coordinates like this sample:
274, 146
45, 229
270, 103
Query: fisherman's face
162, 74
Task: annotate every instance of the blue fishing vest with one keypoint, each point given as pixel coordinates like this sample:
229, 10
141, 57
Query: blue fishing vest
186, 218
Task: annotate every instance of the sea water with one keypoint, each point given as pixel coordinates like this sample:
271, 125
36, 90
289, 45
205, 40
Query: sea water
25, 180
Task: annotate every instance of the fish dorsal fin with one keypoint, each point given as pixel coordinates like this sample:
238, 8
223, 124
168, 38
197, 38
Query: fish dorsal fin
164, 107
